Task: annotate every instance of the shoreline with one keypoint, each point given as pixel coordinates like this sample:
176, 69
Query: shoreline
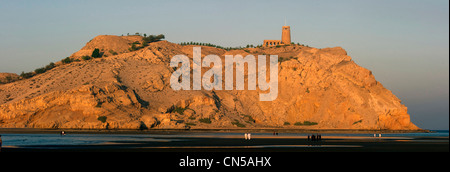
221, 130
210, 140
169, 143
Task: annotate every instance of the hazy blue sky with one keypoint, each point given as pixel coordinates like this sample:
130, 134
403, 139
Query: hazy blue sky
404, 42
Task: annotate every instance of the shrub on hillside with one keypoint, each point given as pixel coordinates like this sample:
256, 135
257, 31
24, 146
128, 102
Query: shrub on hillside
102, 119
205, 120
96, 53
67, 60
113, 52
86, 58
176, 109
305, 123
133, 48
50, 66
153, 38
26, 75
39, 70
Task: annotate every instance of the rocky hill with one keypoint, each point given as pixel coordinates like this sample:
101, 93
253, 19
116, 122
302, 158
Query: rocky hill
318, 89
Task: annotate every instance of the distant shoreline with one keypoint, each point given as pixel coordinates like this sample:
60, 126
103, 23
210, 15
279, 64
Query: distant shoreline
175, 131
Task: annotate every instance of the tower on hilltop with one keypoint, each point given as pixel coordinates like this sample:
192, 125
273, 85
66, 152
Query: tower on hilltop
285, 38
286, 35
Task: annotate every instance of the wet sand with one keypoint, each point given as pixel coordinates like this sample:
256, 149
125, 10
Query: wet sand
166, 141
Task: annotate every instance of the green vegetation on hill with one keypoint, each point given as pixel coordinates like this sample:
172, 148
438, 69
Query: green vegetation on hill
96, 53
153, 38
305, 123
176, 109
67, 60
86, 58
205, 120
102, 119
27, 75
145, 41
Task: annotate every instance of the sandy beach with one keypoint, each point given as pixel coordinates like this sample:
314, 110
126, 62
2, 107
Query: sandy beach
201, 141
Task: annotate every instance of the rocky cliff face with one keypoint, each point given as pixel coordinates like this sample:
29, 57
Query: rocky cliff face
318, 89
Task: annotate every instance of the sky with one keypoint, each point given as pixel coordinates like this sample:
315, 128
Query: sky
405, 43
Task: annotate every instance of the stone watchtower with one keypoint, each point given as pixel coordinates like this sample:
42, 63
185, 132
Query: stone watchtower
286, 35
285, 38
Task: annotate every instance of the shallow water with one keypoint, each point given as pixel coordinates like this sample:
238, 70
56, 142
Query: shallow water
71, 139
91, 139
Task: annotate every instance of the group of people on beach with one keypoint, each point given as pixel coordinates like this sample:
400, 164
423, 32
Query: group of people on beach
314, 138
248, 136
